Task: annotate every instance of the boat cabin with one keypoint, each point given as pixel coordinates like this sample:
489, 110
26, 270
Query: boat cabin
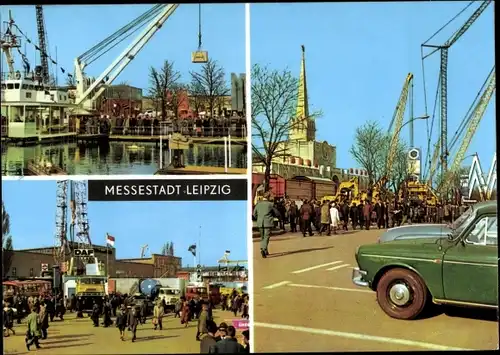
31, 109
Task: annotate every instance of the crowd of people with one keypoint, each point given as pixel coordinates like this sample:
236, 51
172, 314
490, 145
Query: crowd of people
40, 311
145, 125
328, 217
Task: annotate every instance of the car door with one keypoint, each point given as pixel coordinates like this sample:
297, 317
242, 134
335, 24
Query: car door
470, 266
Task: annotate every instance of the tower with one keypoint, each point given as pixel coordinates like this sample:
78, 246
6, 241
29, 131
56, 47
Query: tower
303, 127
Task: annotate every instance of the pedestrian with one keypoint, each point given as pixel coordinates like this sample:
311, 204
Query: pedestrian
43, 319
158, 314
292, 215
325, 218
144, 311
185, 314
228, 345
133, 321
8, 321
207, 340
264, 213
95, 314
221, 332
306, 216
107, 314
202, 322
334, 217
353, 213
121, 321
33, 333
178, 309
367, 214
246, 340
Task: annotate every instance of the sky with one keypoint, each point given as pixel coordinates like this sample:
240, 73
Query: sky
75, 29
359, 54
32, 209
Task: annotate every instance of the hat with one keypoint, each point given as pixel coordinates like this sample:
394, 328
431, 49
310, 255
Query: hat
246, 333
223, 326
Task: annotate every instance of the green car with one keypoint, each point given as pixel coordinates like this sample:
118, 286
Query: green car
448, 265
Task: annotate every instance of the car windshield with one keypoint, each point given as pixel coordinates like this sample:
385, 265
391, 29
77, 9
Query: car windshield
462, 221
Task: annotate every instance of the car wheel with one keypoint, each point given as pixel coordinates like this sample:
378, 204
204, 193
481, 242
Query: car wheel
402, 294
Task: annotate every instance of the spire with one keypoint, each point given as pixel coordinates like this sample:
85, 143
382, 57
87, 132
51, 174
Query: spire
302, 104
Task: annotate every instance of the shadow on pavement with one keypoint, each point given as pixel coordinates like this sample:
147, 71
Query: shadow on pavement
63, 341
154, 337
69, 336
477, 314
300, 251
65, 346
183, 327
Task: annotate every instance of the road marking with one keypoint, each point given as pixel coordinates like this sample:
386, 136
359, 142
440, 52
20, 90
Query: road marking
330, 288
315, 267
282, 283
358, 336
338, 267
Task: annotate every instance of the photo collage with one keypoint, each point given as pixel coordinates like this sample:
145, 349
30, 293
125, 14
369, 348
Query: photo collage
248, 177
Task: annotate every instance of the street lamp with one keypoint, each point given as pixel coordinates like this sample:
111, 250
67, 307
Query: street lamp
411, 120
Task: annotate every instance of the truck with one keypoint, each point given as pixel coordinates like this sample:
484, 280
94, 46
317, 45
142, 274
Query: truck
197, 289
90, 290
171, 290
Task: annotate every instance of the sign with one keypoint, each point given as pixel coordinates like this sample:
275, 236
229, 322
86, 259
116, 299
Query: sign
83, 252
476, 178
45, 267
240, 324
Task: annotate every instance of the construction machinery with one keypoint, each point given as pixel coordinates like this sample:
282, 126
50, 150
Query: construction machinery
472, 122
88, 90
144, 248
42, 44
348, 191
442, 148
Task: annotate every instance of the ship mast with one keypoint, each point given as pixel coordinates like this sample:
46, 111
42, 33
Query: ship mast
8, 41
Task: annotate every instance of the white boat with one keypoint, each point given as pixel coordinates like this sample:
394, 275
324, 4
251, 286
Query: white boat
33, 110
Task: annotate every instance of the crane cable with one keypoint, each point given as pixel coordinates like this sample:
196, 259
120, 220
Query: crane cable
199, 26
133, 26
423, 57
139, 21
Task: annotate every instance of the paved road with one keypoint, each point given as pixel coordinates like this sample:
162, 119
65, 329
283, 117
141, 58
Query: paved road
78, 336
304, 300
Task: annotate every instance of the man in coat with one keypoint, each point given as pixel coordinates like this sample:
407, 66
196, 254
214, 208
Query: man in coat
325, 218
265, 212
158, 313
34, 333
228, 345
202, 321
306, 217
133, 320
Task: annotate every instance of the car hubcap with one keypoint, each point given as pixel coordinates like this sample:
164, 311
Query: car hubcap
399, 294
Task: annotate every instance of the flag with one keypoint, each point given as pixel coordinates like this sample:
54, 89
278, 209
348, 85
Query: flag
192, 249
110, 240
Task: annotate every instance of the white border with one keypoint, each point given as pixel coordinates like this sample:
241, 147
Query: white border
127, 177
248, 110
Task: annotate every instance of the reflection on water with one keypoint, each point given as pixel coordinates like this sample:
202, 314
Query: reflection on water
115, 158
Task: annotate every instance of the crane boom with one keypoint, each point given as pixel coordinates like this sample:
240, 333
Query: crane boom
477, 115
434, 162
398, 122
40, 24
444, 80
88, 97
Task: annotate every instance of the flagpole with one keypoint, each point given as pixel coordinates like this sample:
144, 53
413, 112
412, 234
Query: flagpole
107, 257
199, 246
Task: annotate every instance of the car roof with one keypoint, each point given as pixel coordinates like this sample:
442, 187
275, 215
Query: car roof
486, 207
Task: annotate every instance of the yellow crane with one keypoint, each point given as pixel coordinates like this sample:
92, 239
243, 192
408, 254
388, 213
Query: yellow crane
473, 122
397, 120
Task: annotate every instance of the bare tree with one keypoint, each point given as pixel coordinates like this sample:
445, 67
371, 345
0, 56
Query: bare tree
162, 81
274, 99
369, 142
177, 96
210, 85
7, 247
398, 173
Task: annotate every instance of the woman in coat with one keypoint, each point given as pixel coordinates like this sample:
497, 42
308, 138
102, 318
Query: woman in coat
334, 217
185, 313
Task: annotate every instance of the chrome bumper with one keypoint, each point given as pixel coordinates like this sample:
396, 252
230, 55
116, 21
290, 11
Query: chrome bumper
357, 277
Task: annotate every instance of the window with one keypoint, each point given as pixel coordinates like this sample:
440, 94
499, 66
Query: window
484, 232
28, 95
16, 86
31, 272
14, 271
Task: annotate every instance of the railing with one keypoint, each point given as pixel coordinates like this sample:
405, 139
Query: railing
155, 131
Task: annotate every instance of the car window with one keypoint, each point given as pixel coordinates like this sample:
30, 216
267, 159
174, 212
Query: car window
484, 232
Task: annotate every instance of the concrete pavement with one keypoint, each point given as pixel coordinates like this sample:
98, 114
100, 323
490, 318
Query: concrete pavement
78, 336
304, 300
